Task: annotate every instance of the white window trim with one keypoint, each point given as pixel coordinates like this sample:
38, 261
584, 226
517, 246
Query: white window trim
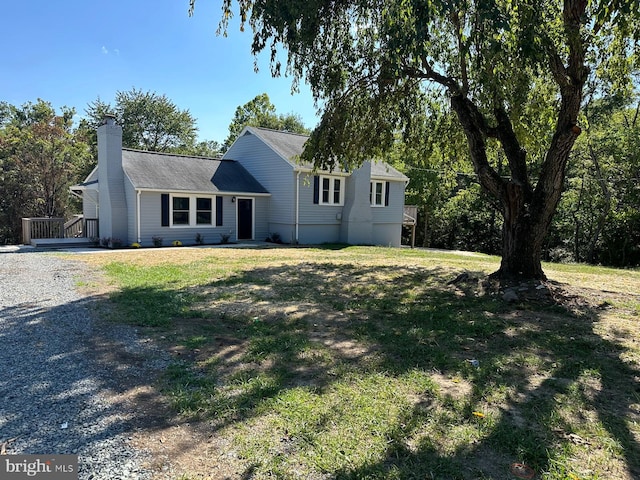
372, 193
332, 179
193, 211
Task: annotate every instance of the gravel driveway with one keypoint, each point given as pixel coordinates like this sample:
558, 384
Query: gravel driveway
54, 395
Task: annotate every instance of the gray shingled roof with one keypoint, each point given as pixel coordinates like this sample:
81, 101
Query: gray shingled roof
290, 146
169, 172
384, 170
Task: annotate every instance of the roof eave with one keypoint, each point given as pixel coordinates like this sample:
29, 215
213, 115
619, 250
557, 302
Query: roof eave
195, 192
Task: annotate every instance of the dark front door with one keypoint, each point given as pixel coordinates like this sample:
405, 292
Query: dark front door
245, 219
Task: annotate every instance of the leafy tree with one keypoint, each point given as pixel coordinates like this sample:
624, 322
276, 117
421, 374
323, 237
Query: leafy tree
41, 155
260, 112
452, 213
513, 73
598, 219
205, 148
149, 121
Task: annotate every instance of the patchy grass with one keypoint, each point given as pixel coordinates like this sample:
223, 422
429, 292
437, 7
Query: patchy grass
356, 362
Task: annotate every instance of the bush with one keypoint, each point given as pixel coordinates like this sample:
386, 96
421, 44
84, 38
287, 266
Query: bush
157, 241
274, 238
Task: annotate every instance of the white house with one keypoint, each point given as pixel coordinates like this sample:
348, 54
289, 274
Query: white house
256, 190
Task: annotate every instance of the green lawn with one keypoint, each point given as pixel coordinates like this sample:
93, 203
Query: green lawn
356, 362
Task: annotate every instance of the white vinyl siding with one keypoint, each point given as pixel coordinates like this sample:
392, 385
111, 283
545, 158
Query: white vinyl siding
274, 173
151, 213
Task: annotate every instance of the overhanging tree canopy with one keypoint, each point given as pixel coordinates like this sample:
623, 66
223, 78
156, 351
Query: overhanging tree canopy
501, 64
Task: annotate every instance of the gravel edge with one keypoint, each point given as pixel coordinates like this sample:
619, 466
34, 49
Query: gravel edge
56, 397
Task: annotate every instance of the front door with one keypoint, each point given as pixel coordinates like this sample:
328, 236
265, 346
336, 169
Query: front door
245, 219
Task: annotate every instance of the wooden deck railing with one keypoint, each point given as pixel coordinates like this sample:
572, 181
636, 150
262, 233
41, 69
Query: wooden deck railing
91, 228
74, 227
411, 219
42, 228
410, 215
77, 227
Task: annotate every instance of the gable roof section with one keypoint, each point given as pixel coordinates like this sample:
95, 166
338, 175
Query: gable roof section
171, 172
290, 146
383, 170
286, 144
92, 179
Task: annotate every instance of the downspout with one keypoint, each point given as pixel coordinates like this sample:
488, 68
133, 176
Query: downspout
138, 193
297, 205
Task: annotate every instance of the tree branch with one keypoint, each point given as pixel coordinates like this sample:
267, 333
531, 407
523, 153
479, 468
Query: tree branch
455, 19
516, 155
571, 80
471, 121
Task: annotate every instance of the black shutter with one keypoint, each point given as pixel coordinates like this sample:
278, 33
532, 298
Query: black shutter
218, 211
386, 194
165, 209
316, 189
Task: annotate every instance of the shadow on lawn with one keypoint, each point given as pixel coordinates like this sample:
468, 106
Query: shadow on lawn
394, 320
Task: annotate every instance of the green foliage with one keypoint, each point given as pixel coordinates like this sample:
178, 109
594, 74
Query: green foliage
151, 122
598, 220
260, 112
41, 155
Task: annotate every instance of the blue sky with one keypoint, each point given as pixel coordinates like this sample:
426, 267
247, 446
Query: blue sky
70, 52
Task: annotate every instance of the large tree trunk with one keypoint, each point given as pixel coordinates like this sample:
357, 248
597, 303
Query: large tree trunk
521, 253
522, 235
527, 211
522, 238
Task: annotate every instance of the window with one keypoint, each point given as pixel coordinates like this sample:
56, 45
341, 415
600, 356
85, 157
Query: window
180, 210
379, 193
336, 190
204, 213
328, 190
190, 211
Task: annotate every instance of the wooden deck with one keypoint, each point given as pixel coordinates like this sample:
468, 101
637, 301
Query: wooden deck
411, 220
50, 231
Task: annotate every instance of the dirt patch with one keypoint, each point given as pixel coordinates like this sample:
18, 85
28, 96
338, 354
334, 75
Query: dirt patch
454, 387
